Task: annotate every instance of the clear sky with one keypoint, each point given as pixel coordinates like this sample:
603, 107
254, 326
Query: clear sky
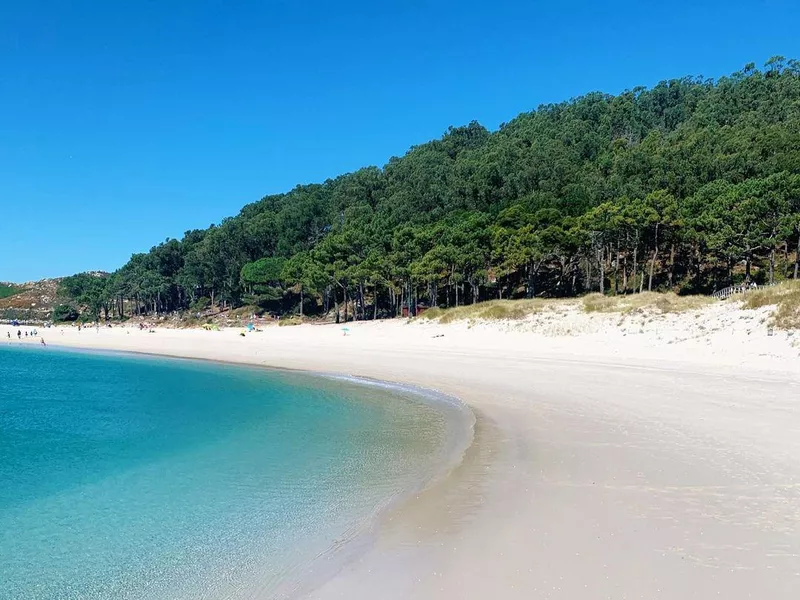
124, 123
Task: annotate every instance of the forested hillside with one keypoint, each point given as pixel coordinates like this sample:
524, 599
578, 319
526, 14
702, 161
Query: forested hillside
689, 186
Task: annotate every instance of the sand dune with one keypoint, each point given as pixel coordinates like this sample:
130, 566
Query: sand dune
638, 456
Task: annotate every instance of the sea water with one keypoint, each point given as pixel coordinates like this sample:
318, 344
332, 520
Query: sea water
138, 477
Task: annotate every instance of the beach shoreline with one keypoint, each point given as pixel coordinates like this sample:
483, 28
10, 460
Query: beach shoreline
604, 465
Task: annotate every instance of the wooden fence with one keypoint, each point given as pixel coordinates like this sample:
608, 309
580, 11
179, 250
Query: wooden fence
737, 289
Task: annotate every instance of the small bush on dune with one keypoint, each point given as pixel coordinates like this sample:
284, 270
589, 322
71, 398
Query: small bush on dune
290, 322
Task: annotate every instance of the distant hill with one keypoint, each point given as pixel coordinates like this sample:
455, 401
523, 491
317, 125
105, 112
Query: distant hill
34, 299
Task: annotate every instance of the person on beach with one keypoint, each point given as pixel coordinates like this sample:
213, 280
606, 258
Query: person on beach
43, 343
19, 334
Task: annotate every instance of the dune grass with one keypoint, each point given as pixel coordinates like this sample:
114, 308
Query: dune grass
491, 310
663, 302
785, 297
515, 310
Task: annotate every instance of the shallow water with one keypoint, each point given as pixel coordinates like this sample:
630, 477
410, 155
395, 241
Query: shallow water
136, 477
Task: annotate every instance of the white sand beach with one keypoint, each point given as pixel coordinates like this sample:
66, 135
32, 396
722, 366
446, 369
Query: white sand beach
614, 457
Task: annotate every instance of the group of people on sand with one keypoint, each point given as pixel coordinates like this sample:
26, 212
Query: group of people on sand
32, 334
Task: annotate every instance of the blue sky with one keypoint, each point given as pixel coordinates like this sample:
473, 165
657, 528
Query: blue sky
124, 123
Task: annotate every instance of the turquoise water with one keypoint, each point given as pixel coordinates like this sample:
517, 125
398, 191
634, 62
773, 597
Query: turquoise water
131, 477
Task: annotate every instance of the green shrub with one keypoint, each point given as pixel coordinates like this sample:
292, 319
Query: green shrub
65, 313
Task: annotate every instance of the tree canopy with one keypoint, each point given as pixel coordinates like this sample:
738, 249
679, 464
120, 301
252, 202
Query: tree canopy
689, 185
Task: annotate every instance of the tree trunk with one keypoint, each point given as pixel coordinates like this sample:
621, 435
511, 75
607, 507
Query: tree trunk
747, 262
588, 274
375, 303
653, 262
600, 261
301, 301
772, 266
730, 271
625, 274
361, 301
336, 304
616, 271
641, 281
671, 264
574, 279
797, 259
634, 273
